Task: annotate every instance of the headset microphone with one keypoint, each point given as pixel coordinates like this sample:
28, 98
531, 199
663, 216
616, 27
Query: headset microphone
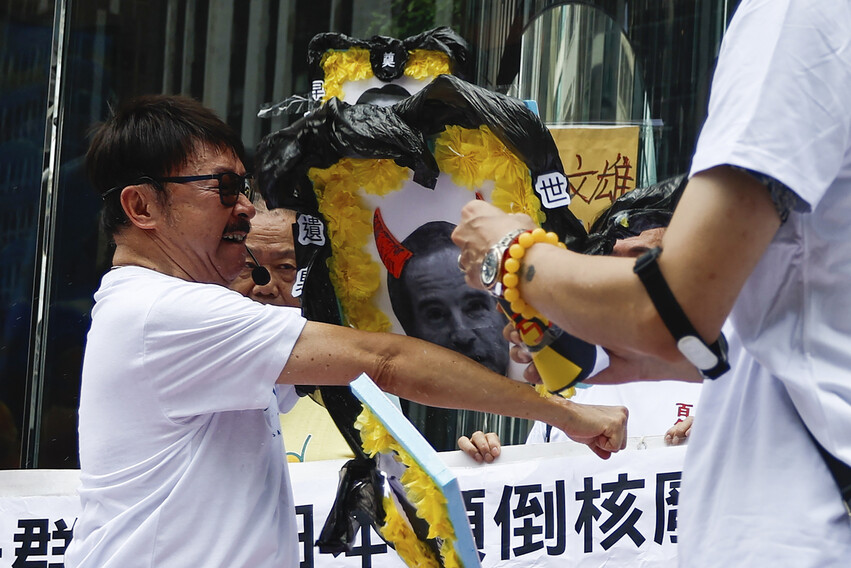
260, 275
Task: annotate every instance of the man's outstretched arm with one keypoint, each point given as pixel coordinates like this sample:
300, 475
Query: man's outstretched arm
429, 374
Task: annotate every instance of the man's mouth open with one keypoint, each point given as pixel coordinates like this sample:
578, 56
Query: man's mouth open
237, 238
236, 232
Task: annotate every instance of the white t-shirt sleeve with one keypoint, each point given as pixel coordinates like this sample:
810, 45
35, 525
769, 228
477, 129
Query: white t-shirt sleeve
537, 435
771, 109
214, 350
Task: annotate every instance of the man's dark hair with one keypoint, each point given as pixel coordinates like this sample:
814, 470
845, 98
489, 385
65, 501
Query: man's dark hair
426, 239
152, 136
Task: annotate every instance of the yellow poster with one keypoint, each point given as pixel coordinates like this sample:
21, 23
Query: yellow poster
600, 162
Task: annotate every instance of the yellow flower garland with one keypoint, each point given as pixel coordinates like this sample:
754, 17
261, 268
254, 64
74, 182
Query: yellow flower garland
421, 492
339, 67
354, 273
469, 156
353, 64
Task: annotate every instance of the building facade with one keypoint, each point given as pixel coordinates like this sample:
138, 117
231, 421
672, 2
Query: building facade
63, 63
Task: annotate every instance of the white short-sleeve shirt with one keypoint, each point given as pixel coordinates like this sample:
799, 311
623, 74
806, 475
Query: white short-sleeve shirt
182, 461
755, 491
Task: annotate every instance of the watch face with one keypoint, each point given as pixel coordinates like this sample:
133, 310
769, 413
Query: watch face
490, 267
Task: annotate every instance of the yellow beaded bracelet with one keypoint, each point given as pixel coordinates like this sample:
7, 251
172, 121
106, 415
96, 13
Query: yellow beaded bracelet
511, 267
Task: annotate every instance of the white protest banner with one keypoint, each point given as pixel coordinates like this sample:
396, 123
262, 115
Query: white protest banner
537, 506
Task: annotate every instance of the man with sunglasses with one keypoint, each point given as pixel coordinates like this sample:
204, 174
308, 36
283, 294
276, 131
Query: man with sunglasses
180, 445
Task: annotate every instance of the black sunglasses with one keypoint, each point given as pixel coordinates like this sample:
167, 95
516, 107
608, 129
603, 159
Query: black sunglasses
231, 185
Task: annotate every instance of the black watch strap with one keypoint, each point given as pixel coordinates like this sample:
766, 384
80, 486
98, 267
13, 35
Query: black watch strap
711, 360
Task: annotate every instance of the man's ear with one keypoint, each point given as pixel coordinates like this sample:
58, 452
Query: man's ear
141, 205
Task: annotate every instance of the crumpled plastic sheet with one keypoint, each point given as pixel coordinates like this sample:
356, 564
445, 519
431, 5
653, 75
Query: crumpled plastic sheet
442, 39
358, 503
400, 132
641, 209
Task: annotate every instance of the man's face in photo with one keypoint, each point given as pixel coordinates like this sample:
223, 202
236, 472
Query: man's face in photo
449, 313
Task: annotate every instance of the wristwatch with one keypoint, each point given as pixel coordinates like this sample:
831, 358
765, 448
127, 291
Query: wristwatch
492, 263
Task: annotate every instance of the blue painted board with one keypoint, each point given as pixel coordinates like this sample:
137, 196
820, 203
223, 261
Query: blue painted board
410, 438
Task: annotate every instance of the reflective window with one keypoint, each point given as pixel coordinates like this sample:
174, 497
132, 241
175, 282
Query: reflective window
646, 62
26, 30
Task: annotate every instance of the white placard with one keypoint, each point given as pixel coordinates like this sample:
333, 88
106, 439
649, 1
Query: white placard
537, 506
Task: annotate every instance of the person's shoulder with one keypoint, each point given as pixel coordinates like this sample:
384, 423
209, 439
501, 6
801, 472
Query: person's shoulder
167, 302
131, 287
160, 293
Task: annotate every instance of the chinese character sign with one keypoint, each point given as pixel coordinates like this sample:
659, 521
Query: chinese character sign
600, 164
35, 531
538, 506
567, 511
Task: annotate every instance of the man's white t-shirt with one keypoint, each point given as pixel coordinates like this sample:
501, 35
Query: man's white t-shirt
755, 490
182, 460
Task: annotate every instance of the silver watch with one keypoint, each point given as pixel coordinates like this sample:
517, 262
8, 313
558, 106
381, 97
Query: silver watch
492, 263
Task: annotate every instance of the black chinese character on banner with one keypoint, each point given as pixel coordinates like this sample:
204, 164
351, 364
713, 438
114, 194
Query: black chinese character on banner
537, 524
366, 550
474, 503
587, 514
311, 231
305, 536
622, 516
667, 501
33, 537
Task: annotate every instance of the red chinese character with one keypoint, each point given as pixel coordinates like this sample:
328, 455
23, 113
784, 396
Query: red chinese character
683, 410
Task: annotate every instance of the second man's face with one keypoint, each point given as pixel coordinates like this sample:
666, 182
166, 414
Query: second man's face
271, 242
449, 313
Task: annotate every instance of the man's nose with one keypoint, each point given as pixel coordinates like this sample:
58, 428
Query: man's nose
271, 289
460, 335
244, 207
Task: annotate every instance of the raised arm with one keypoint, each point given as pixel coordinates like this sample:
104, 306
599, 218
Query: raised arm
720, 229
429, 374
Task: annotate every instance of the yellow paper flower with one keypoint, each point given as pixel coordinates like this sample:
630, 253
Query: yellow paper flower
459, 152
375, 438
506, 167
450, 555
513, 191
363, 316
429, 501
517, 196
339, 67
423, 64
410, 549
379, 177
350, 222
339, 173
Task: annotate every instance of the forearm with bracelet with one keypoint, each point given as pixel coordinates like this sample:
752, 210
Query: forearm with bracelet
561, 359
